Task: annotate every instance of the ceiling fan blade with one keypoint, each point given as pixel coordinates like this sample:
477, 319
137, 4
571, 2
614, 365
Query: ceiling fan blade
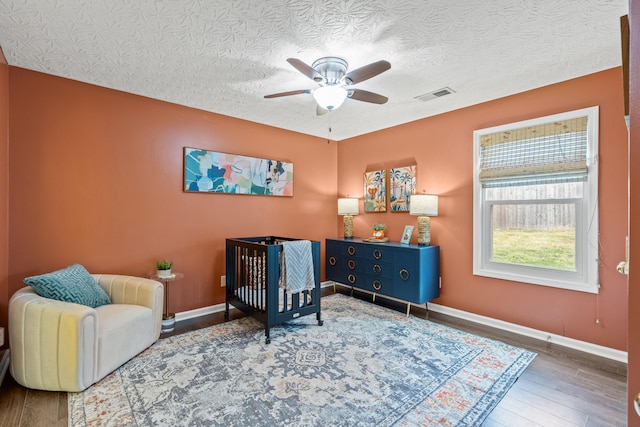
305, 69
293, 92
366, 96
364, 73
321, 111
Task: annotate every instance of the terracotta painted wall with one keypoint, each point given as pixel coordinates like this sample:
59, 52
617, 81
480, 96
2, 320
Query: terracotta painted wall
96, 178
442, 149
4, 190
633, 373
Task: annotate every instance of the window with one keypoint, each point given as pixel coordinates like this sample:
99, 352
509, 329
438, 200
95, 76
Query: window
535, 201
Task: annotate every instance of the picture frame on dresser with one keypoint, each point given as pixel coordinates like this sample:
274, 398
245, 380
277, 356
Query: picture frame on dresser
406, 234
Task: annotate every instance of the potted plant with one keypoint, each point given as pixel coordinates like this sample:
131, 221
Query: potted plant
378, 231
164, 268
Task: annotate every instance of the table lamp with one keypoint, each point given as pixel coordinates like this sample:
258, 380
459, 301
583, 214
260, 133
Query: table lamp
425, 206
348, 207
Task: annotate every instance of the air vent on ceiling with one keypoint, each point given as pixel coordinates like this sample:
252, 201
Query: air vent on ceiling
435, 94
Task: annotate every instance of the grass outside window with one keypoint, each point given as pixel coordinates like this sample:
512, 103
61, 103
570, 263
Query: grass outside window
553, 248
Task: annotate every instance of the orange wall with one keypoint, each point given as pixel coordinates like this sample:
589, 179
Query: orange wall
4, 190
88, 168
633, 373
96, 178
442, 149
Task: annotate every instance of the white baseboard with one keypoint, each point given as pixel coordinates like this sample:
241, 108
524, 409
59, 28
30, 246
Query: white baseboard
587, 347
217, 308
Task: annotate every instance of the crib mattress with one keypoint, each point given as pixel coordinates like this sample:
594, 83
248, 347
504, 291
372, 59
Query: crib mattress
253, 297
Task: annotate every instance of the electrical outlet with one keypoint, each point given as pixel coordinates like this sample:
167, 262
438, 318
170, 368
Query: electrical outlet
223, 281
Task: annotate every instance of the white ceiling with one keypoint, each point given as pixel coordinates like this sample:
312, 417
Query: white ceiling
225, 55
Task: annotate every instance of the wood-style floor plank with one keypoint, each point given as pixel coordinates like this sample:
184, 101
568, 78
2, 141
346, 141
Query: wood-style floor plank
562, 387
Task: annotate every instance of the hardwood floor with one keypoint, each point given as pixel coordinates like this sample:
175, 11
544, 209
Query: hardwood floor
561, 387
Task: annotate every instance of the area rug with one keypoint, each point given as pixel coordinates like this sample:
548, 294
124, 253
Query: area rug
366, 366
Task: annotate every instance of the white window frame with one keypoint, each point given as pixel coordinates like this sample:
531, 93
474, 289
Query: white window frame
585, 278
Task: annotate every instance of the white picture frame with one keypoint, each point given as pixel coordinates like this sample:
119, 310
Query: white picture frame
406, 235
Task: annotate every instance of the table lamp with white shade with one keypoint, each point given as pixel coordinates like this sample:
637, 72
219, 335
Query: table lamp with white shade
425, 206
348, 207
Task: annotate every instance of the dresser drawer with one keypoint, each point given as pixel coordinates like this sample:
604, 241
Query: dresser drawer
379, 269
379, 252
378, 285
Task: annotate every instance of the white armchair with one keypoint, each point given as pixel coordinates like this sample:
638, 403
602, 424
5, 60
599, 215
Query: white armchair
62, 346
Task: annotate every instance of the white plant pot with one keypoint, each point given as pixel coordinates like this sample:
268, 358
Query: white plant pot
164, 273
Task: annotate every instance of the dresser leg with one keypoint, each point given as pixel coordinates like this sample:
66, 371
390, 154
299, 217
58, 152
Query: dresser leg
426, 307
374, 298
408, 308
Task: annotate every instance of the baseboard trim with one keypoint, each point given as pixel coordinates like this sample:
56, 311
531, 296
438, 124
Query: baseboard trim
587, 347
203, 311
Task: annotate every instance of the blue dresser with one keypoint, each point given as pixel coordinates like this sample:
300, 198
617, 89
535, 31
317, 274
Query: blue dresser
407, 272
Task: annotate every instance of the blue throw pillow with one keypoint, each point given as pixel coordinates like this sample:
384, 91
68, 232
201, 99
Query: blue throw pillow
71, 284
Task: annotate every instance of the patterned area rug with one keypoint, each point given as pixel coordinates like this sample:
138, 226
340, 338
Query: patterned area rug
367, 366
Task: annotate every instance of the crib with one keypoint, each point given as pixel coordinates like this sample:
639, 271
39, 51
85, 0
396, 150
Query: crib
254, 282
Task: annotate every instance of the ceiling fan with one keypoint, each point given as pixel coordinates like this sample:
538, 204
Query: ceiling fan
330, 73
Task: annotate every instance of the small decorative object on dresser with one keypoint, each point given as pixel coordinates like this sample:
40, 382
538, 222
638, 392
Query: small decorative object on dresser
378, 234
406, 234
378, 231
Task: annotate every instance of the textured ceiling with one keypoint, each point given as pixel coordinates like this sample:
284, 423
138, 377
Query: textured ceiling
225, 55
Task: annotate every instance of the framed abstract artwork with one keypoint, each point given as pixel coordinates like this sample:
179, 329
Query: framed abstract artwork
213, 172
402, 184
375, 191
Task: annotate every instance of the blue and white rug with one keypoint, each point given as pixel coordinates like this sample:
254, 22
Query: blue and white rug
367, 366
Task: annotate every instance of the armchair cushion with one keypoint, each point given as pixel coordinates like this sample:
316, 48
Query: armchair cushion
71, 284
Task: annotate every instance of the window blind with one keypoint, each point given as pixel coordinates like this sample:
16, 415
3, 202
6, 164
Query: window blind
542, 154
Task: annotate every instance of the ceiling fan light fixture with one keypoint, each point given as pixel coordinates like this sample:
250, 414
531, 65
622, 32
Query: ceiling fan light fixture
330, 97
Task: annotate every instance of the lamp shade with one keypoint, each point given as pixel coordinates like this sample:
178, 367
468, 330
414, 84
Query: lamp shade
348, 206
330, 97
423, 204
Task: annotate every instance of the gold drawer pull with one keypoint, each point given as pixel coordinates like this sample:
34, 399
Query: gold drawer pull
332, 261
377, 269
351, 278
404, 274
351, 264
377, 253
351, 250
377, 285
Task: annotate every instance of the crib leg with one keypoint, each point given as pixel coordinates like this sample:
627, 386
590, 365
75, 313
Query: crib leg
320, 322
226, 311
267, 340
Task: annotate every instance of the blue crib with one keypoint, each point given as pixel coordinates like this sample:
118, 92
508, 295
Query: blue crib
253, 282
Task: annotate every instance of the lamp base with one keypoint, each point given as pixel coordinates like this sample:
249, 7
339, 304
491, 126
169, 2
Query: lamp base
348, 226
424, 230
